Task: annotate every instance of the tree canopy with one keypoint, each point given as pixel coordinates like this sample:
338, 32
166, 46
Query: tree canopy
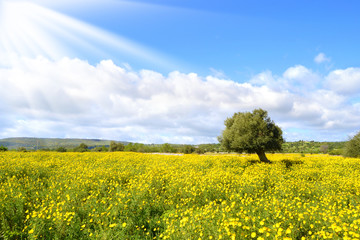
3, 149
116, 146
251, 132
352, 147
82, 148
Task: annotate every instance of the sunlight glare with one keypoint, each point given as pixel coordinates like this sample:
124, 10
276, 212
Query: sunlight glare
30, 30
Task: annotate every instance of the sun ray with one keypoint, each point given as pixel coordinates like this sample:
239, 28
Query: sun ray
31, 30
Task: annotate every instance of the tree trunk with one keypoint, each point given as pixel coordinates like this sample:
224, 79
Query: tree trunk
262, 156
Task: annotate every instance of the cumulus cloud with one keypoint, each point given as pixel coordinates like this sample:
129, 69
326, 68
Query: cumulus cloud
72, 98
295, 79
319, 103
320, 58
344, 81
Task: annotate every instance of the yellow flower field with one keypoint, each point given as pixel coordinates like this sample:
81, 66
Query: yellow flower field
46, 195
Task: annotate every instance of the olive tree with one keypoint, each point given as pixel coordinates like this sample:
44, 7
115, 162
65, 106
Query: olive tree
251, 132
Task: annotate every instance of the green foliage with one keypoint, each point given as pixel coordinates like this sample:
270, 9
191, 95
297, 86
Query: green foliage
337, 152
44, 149
312, 147
116, 147
188, 149
352, 147
324, 148
210, 147
144, 148
100, 149
289, 163
60, 149
252, 133
167, 148
132, 147
200, 150
82, 148
3, 149
21, 149
61, 145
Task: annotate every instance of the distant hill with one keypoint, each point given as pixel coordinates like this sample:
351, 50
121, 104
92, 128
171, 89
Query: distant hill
51, 143
70, 143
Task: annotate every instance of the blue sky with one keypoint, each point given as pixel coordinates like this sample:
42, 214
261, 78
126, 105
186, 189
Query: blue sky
237, 37
172, 71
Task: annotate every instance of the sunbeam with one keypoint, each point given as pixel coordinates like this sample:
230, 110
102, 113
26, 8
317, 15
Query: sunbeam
31, 30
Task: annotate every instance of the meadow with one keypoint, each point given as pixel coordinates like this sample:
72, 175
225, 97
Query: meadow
122, 195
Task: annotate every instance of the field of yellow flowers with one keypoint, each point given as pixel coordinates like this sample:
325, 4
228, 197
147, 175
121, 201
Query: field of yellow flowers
46, 195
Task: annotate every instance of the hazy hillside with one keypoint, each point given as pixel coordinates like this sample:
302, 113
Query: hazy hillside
70, 143
50, 143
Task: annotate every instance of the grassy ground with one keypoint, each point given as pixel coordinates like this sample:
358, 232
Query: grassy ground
147, 196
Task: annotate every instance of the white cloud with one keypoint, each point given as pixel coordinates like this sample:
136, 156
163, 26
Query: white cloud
297, 79
344, 81
72, 98
320, 58
315, 108
301, 78
217, 73
297, 73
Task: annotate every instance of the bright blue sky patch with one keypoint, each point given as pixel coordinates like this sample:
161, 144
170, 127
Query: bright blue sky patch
172, 71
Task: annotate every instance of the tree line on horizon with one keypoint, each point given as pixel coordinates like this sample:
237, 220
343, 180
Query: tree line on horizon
301, 146
245, 132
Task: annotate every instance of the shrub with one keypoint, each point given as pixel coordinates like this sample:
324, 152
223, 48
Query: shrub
82, 148
352, 147
61, 149
167, 148
336, 152
199, 150
100, 149
21, 149
3, 149
115, 147
187, 149
324, 148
